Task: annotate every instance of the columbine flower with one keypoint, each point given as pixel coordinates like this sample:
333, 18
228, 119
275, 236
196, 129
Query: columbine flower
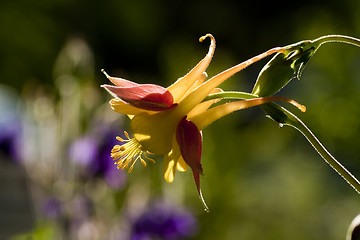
169, 121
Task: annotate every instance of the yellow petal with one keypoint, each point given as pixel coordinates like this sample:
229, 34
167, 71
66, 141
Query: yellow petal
172, 161
195, 97
181, 165
175, 154
122, 107
155, 132
182, 85
204, 105
169, 170
203, 119
198, 82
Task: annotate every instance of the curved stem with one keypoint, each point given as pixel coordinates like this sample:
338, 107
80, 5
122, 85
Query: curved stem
285, 117
337, 38
296, 123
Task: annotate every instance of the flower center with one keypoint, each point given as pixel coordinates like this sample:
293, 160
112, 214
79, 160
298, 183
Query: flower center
128, 153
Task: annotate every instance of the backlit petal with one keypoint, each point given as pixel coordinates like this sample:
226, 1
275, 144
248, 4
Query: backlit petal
122, 107
171, 162
182, 85
195, 97
155, 132
145, 96
204, 105
198, 82
181, 165
120, 82
203, 119
169, 169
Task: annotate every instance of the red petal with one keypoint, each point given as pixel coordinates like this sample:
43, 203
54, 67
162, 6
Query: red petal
120, 82
189, 139
196, 176
144, 96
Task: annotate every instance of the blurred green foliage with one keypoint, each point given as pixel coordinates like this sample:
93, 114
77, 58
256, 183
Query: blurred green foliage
261, 181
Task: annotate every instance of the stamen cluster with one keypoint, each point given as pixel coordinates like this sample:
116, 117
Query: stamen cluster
128, 153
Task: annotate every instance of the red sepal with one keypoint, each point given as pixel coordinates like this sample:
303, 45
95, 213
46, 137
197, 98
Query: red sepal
145, 96
196, 176
189, 139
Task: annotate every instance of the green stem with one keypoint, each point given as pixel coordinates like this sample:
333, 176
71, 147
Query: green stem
337, 38
230, 95
296, 123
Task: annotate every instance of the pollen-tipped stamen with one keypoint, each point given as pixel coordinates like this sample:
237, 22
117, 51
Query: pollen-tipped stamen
127, 154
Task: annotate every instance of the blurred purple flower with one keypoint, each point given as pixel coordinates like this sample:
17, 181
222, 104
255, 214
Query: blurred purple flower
92, 152
81, 208
115, 178
164, 222
52, 208
10, 124
84, 151
10, 137
81, 211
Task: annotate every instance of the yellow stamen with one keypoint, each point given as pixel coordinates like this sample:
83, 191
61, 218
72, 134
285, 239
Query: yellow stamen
126, 155
150, 159
126, 134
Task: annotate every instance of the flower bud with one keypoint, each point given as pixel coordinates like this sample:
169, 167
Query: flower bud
283, 67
